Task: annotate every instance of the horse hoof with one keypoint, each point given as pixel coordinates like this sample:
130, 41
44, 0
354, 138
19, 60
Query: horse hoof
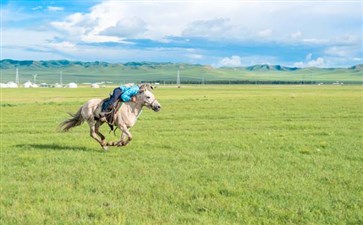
105, 147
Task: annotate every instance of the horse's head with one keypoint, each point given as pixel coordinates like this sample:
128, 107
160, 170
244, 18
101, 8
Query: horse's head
147, 98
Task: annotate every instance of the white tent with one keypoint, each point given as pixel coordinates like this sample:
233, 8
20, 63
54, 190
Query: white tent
2, 85
27, 84
11, 84
56, 85
72, 85
94, 85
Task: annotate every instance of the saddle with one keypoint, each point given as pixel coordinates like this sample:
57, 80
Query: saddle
110, 114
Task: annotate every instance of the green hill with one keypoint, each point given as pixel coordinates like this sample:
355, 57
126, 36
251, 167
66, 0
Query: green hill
89, 72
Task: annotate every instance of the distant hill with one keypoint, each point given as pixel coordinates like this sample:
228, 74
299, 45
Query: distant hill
357, 68
85, 72
266, 67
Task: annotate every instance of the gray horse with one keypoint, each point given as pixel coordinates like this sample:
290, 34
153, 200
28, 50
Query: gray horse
124, 118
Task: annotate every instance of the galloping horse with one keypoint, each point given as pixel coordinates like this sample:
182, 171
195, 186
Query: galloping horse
124, 118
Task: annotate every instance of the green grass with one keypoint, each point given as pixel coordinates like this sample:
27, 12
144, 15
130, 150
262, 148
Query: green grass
212, 155
167, 72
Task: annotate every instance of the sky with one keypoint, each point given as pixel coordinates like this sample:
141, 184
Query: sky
217, 33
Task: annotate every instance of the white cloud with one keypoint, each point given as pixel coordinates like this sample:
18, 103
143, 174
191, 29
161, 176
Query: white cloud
296, 34
299, 64
63, 46
316, 41
212, 28
318, 62
127, 27
37, 8
194, 56
232, 20
264, 33
341, 51
55, 8
233, 61
231, 25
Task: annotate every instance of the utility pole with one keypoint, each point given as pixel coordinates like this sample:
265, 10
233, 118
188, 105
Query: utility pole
17, 75
61, 78
178, 79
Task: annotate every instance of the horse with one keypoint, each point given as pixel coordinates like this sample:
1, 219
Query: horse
124, 119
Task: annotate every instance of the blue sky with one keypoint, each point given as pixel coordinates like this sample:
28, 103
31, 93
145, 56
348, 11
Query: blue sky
217, 33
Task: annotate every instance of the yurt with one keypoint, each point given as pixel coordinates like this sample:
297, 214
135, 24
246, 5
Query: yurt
94, 85
2, 85
27, 84
72, 85
56, 85
11, 84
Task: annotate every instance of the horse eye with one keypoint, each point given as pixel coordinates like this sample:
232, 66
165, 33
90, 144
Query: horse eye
148, 97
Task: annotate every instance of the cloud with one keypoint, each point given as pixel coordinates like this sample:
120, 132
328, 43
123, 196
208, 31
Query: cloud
296, 34
264, 33
55, 8
318, 62
341, 51
299, 64
248, 32
37, 8
64, 46
212, 28
315, 41
131, 27
216, 20
194, 56
308, 56
233, 61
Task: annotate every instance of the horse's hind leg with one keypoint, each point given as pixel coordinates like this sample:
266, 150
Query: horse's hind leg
94, 135
97, 129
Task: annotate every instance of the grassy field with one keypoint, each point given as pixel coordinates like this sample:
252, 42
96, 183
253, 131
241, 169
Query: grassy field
90, 72
212, 155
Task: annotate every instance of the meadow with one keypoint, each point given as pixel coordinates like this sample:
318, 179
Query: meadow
212, 155
91, 72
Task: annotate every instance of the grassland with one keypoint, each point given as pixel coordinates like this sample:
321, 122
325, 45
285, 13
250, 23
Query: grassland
212, 155
90, 72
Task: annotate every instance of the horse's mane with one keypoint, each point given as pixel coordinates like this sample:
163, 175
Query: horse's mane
146, 86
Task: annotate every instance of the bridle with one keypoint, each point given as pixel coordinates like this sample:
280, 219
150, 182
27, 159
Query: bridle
149, 104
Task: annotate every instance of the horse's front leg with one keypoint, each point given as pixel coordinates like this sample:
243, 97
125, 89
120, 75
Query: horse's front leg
126, 137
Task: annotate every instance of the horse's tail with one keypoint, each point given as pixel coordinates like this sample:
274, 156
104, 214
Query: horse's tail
76, 120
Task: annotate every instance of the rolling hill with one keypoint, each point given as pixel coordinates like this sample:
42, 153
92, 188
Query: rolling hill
88, 72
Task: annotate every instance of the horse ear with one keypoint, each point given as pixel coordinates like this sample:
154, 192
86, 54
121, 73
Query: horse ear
145, 87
